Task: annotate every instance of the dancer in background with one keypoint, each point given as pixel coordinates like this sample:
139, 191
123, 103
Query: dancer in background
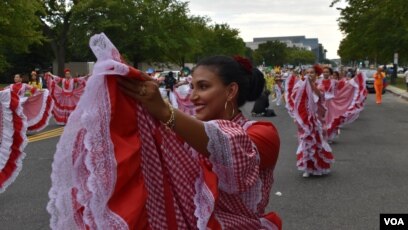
278, 88
132, 161
13, 139
66, 93
35, 81
37, 103
305, 103
182, 92
343, 101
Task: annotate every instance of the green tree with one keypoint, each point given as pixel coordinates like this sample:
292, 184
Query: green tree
271, 53
374, 30
219, 39
56, 22
20, 28
298, 56
142, 30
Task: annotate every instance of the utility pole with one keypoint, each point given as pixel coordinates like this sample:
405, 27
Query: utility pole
394, 69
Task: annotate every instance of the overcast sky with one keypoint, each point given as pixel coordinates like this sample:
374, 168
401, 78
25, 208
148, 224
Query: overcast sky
271, 18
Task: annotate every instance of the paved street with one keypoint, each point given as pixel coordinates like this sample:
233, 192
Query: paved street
369, 176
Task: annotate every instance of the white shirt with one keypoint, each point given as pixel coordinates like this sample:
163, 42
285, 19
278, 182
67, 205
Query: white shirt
406, 76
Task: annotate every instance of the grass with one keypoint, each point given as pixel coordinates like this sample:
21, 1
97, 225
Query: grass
400, 83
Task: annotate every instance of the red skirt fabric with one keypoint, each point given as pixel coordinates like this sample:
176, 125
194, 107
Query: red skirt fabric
13, 138
37, 109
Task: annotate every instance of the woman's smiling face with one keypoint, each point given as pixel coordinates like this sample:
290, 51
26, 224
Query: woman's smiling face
209, 94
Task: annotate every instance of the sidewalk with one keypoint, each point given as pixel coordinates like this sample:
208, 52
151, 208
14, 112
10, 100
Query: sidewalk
397, 91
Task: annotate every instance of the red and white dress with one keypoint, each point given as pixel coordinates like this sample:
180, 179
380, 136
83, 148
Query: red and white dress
278, 92
116, 167
314, 154
66, 96
37, 105
344, 101
13, 137
182, 94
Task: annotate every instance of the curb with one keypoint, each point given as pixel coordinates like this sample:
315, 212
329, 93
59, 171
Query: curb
397, 94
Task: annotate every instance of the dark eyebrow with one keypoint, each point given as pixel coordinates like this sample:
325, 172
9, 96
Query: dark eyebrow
201, 81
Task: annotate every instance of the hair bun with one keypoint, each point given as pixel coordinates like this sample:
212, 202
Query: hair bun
256, 84
244, 62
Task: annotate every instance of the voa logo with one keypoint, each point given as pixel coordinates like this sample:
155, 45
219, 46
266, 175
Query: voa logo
393, 221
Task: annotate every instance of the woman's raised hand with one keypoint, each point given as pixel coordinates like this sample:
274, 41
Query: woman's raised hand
146, 92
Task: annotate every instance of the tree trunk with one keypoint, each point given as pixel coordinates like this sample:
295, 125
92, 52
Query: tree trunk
61, 61
59, 42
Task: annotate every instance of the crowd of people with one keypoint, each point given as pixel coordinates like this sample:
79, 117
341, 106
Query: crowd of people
141, 152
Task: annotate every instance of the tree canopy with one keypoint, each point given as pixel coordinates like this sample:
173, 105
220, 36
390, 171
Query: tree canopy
374, 29
143, 30
20, 28
276, 53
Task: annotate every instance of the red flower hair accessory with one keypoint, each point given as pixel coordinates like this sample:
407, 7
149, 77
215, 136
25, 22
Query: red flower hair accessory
67, 70
318, 69
244, 62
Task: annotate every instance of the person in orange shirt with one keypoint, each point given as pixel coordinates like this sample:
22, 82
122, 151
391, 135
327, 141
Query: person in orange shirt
378, 85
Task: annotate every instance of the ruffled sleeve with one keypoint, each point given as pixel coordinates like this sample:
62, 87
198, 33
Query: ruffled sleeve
234, 158
80, 80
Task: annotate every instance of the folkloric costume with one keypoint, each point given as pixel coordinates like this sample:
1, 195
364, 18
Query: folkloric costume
13, 137
314, 153
182, 94
37, 105
278, 91
66, 96
116, 167
344, 100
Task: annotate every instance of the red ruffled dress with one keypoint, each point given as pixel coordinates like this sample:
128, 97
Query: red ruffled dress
37, 105
344, 101
314, 154
66, 96
13, 137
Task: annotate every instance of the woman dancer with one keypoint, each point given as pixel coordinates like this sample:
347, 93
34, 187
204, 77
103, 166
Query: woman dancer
305, 103
343, 101
37, 104
66, 96
35, 81
134, 162
182, 92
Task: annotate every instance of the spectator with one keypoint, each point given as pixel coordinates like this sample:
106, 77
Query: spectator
406, 78
378, 85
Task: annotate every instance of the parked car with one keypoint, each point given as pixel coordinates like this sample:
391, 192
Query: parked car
369, 76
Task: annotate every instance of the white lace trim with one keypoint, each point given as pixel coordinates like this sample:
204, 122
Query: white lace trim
220, 155
204, 202
42, 113
8, 129
92, 115
7, 136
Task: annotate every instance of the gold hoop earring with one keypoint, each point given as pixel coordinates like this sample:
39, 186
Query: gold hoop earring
233, 110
